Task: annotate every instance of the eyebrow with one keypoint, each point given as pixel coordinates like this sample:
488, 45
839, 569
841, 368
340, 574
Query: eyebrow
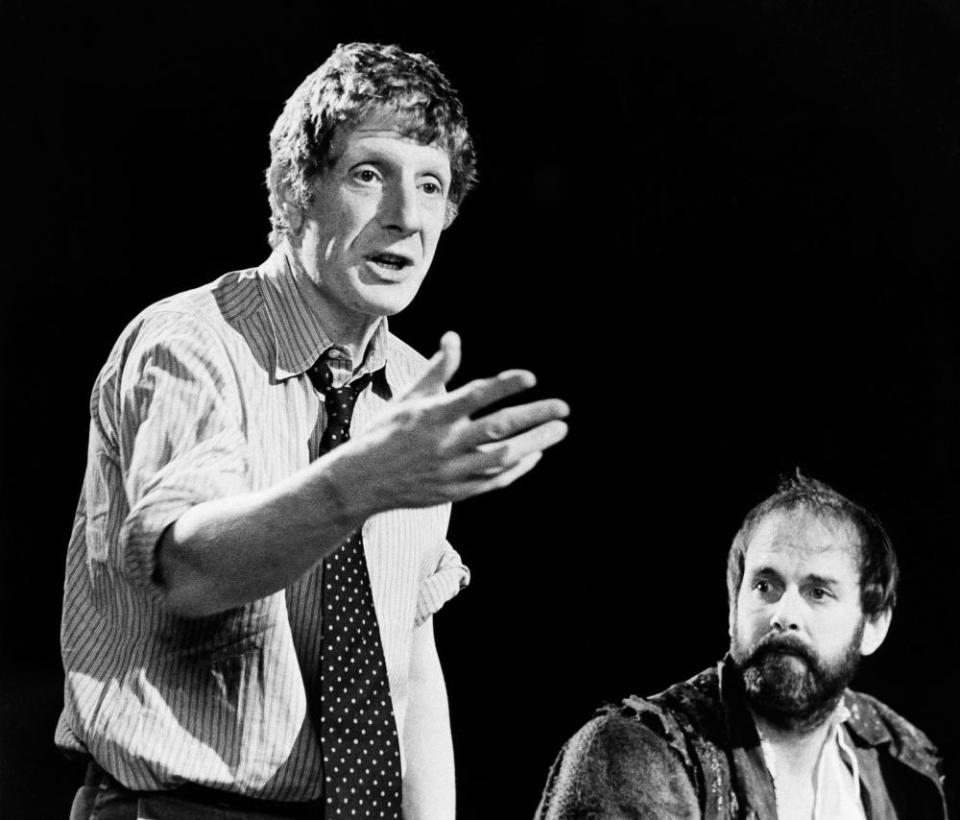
821, 580
379, 153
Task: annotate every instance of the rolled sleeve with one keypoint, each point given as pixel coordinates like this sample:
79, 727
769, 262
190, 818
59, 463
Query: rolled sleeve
177, 424
448, 578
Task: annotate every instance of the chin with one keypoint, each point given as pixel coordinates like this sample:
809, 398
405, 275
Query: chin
381, 308
385, 300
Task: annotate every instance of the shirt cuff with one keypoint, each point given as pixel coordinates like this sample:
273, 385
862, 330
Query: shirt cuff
450, 576
158, 509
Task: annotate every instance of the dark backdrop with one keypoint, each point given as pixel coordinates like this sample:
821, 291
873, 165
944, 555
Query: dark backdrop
726, 232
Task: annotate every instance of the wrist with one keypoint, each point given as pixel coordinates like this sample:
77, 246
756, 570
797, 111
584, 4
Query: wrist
349, 485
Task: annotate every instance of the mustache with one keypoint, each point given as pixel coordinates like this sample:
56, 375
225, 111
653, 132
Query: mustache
781, 644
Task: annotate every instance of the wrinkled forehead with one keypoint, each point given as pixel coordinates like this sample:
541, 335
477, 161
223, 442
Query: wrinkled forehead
386, 119
801, 536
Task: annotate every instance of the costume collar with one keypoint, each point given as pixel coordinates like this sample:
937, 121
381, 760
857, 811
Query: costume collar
867, 725
750, 772
864, 720
753, 771
299, 339
741, 728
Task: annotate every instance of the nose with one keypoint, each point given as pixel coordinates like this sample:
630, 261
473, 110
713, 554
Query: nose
400, 207
786, 614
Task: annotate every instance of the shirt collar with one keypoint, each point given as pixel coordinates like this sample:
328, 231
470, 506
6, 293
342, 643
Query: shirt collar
859, 716
837, 770
299, 339
833, 736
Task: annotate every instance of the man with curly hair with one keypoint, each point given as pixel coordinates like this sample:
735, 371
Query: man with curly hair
260, 544
772, 731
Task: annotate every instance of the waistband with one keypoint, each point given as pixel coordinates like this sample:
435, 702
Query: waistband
96, 776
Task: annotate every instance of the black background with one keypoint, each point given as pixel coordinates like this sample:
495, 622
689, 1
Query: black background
725, 232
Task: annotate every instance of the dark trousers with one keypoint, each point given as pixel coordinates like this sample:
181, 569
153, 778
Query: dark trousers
103, 798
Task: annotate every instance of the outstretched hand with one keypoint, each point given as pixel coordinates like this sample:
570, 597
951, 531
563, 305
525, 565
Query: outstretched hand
427, 448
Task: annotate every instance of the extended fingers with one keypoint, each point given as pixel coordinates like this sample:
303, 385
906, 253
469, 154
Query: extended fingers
486, 483
525, 465
492, 459
481, 393
440, 368
513, 420
507, 453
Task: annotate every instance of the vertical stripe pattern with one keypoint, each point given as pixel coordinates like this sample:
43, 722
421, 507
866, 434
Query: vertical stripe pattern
205, 395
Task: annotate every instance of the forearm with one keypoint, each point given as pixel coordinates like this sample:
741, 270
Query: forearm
422, 451
429, 791
226, 552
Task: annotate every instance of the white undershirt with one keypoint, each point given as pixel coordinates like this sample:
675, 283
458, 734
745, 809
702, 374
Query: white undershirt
836, 783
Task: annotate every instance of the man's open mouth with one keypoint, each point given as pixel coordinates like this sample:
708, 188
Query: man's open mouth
784, 652
394, 261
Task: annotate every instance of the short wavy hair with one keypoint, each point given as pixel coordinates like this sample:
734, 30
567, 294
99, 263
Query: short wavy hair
355, 80
879, 571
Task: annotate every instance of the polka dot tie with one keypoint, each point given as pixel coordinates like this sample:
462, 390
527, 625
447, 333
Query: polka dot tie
358, 732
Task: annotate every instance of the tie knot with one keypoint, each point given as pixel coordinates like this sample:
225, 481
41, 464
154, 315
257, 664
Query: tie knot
321, 374
339, 401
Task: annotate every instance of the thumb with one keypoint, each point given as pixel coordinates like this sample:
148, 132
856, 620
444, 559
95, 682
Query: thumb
440, 368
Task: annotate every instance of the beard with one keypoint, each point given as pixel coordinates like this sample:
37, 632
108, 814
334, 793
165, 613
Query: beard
790, 686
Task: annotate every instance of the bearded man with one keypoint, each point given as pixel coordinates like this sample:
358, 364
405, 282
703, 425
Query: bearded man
772, 731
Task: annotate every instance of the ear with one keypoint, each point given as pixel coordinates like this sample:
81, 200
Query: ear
450, 214
874, 631
291, 209
284, 205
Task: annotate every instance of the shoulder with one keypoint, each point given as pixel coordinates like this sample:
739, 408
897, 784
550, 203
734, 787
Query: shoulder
621, 735
188, 329
639, 753
617, 760
216, 305
876, 723
692, 707
196, 316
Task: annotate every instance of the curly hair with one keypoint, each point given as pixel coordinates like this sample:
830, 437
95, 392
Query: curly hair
879, 571
354, 81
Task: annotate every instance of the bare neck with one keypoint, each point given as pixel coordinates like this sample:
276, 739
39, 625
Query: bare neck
354, 335
346, 328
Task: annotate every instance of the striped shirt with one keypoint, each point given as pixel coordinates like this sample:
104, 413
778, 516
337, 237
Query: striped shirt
206, 395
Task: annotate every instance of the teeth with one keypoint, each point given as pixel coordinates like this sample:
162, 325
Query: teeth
389, 261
